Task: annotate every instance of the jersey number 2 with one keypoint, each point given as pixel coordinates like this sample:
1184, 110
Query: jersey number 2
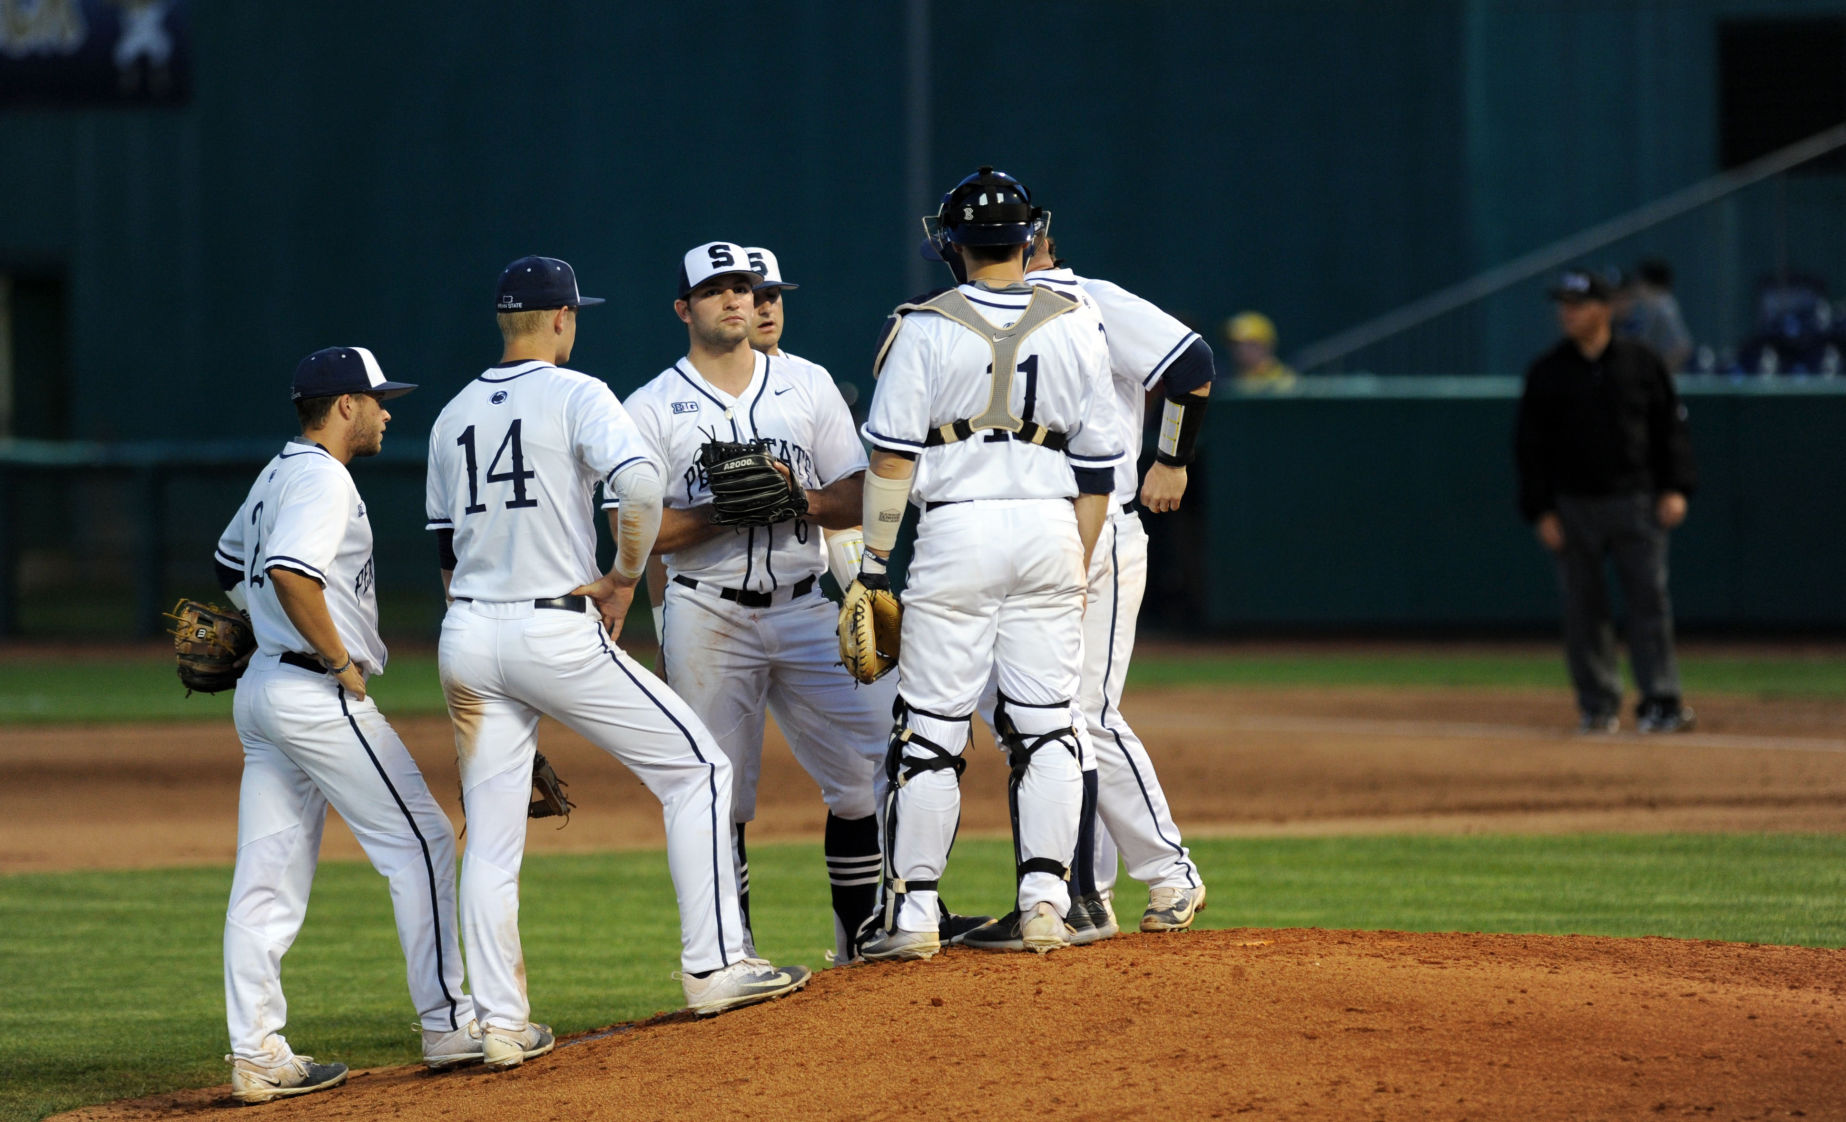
517, 475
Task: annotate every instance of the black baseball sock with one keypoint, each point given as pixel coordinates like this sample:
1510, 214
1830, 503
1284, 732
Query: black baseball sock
853, 860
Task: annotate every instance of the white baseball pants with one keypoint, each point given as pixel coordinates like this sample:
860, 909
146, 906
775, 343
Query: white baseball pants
502, 665
307, 743
993, 584
1130, 802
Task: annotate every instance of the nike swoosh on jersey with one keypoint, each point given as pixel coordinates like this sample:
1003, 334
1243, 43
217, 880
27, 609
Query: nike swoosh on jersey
783, 390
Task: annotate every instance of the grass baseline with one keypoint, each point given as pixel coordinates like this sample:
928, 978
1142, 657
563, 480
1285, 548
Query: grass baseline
64, 688
115, 987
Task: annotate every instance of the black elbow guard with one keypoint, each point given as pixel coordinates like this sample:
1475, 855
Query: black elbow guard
1181, 418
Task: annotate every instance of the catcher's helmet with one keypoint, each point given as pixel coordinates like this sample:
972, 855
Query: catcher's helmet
987, 208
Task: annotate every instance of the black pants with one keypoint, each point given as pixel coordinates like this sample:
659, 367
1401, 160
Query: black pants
1622, 527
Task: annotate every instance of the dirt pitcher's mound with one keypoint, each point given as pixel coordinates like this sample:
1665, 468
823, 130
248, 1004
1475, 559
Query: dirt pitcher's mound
1275, 1024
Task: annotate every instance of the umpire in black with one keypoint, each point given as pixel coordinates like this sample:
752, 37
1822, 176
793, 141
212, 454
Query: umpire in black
1605, 465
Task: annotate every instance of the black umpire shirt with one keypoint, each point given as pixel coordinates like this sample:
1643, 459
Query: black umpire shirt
1611, 425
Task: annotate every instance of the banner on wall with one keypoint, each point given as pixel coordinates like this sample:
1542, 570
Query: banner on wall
94, 52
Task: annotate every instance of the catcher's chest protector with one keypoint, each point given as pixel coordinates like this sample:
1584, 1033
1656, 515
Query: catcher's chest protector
1044, 306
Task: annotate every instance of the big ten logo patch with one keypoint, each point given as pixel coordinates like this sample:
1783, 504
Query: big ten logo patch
685, 407
362, 584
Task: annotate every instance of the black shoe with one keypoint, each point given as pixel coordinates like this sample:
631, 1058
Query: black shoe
953, 929
1666, 715
1040, 930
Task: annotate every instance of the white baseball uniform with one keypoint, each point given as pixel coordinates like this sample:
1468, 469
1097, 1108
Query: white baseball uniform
997, 576
514, 461
307, 744
1143, 342
746, 628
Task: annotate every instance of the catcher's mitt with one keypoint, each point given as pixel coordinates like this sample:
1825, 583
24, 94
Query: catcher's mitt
747, 489
870, 619
548, 798
211, 644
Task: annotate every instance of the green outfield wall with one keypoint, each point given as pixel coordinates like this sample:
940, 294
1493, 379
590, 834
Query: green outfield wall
1390, 506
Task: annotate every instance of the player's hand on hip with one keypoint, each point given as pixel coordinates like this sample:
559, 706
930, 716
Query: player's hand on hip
1550, 531
1670, 509
352, 681
612, 594
1164, 486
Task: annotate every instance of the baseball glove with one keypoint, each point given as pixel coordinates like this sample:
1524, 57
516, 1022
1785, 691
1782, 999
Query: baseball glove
747, 488
548, 798
870, 619
212, 645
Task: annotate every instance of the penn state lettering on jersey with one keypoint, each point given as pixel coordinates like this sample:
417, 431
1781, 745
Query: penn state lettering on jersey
790, 402
935, 371
304, 514
514, 462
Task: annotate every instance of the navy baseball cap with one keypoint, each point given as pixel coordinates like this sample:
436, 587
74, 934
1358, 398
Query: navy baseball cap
535, 283
332, 371
1576, 285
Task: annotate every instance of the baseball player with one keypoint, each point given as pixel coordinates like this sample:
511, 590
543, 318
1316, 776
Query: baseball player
1147, 349
983, 415
514, 460
298, 557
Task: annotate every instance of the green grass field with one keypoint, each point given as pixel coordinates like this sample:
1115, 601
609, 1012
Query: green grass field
113, 984
61, 689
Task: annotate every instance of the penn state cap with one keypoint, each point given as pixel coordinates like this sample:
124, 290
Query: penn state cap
714, 259
332, 371
535, 283
765, 263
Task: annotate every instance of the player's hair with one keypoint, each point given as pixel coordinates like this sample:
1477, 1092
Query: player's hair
515, 324
312, 411
990, 254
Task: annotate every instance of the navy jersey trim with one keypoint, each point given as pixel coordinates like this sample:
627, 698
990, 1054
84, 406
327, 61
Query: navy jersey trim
705, 393
897, 441
711, 778
617, 469
233, 562
1105, 460
758, 399
439, 524
295, 565
429, 865
535, 366
1167, 359
992, 304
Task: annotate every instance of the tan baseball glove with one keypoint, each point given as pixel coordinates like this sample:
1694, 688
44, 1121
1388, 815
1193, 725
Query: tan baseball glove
212, 645
870, 620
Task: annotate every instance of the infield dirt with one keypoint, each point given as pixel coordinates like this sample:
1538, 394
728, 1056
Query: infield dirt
1282, 1024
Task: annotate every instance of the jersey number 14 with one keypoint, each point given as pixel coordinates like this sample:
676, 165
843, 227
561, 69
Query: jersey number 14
517, 474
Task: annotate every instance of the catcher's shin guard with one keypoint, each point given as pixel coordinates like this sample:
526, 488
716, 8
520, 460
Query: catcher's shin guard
1050, 725
909, 756
853, 863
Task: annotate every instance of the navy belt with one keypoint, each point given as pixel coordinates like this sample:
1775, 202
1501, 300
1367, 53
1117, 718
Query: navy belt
1131, 506
561, 603
306, 662
748, 598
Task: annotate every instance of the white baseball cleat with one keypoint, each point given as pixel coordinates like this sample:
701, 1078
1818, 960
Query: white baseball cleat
504, 1048
1173, 909
1040, 930
744, 982
900, 945
256, 1083
444, 1050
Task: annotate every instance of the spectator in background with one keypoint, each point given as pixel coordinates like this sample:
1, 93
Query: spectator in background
1605, 465
1652, 316
1253, 351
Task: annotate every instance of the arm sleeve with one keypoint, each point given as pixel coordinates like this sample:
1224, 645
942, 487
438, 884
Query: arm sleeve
1669, 439
636, 491
311, 520
1190, 369
899, 417
1532, 436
